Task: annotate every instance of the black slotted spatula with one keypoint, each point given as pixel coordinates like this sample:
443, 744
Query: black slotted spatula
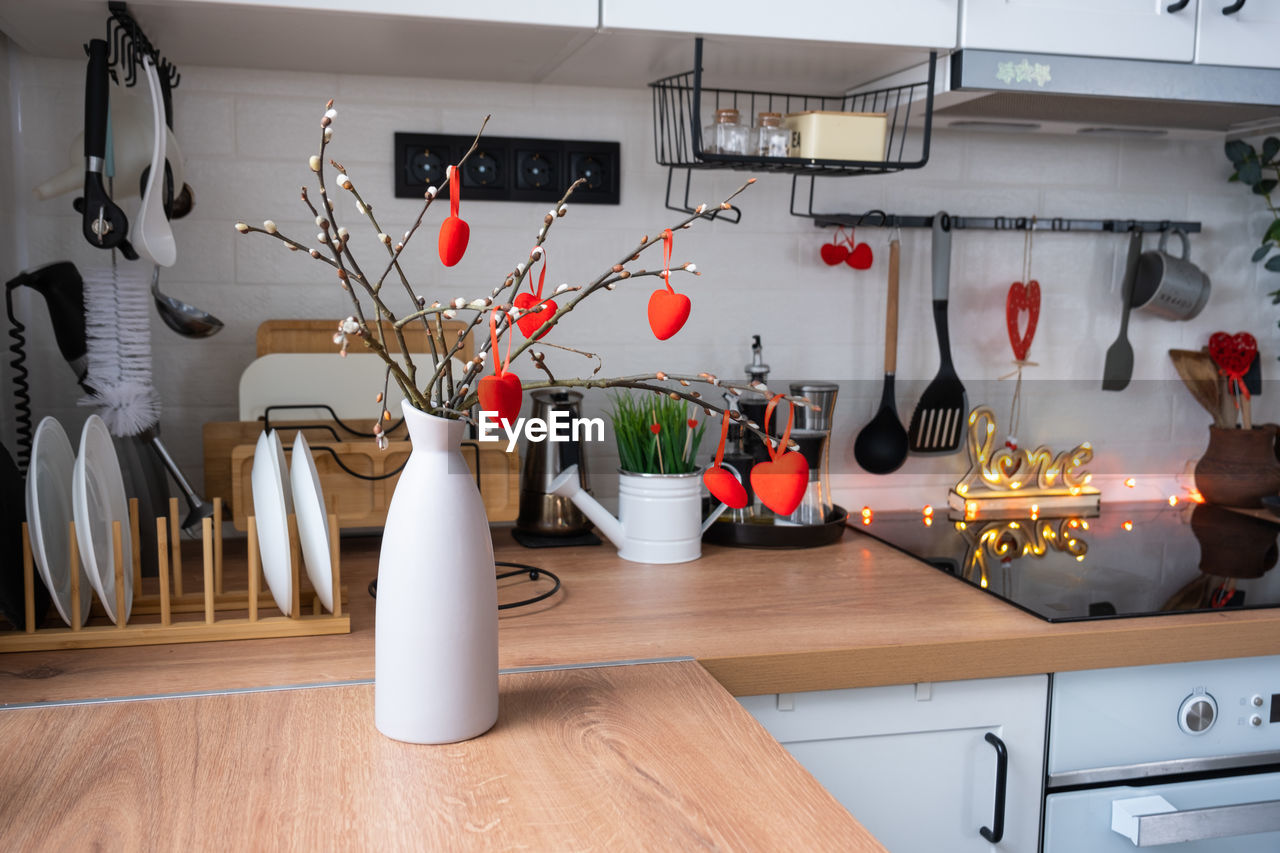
937, 423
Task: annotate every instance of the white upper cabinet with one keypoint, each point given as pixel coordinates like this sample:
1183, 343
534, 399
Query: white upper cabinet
562, 13
1249, 36
1133, 29
920, 23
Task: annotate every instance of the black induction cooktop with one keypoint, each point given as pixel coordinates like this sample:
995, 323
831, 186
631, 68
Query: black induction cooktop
1137, 559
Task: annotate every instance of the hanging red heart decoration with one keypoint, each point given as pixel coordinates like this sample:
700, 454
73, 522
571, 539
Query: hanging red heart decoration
1022, 298
836, 251
781, 482
722, 485
501, 392
668, 310
535, 311
454, 233
1233, 354
860, 257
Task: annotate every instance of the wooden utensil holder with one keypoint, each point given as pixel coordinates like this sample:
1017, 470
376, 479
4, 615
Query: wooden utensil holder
171, 599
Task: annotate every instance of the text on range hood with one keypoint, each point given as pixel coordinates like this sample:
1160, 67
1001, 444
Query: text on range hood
1005, 87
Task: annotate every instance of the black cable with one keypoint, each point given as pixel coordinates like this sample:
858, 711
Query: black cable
21, 386
520, 568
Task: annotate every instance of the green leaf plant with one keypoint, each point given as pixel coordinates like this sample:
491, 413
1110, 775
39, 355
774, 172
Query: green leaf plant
1260, 171
654, 434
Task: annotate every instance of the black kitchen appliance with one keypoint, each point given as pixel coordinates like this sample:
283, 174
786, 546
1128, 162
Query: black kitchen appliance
1136, 559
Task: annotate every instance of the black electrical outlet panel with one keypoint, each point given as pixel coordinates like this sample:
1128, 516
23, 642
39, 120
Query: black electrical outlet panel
509, 168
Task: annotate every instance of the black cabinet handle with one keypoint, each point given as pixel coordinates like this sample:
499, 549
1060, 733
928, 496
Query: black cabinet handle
1233, 8
1177, 6
996, 832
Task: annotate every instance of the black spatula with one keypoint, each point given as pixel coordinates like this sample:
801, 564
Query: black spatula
938, 420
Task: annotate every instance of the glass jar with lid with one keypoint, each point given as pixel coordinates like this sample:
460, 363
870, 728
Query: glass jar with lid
769, 138
726, 136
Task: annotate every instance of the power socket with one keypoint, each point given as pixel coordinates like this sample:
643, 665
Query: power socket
509, 169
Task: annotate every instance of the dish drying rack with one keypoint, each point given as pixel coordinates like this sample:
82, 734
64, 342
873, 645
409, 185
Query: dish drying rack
682, 105
213, 600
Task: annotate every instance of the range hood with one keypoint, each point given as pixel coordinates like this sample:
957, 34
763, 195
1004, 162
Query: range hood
1001, 90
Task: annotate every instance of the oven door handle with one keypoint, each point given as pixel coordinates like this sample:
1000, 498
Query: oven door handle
1153, 821
996, 831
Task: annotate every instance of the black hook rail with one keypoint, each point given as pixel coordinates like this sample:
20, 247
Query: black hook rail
128, 44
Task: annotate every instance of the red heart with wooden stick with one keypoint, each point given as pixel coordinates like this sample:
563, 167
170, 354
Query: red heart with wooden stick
781, 482
1022, 298
668, 310
1234, 354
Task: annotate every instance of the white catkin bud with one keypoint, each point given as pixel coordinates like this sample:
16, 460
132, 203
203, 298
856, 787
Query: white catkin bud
320, 221
242, 228
691, 267
539, 355
482, 356
551, 212
469, 365
343, 234
459, 302
344, 182
449, 314
269, 226
431, 192
328, 134
479, 303
562, 288
701, 208
350, 326
385, 238
322, 237
331, 114
537, 252
564, 208
520, 268
611, 285
291, 247
314, 162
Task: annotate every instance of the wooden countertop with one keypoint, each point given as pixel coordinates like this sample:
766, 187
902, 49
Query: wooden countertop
643, 757
856, 613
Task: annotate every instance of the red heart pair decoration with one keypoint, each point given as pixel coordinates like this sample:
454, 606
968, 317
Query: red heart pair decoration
1022, 298
722, 485
668, 310
843, 249
781, 482
454, 233
501, 392
532, 320
1233, 354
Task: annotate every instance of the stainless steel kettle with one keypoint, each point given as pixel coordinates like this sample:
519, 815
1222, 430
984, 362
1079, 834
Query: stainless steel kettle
541, 512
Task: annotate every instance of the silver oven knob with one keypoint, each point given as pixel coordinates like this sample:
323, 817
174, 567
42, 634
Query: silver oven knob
1197, 713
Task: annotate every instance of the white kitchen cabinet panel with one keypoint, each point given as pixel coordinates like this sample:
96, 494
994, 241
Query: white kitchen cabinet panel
922, 23
1133, 29
1249, 36
562, 13
912, 762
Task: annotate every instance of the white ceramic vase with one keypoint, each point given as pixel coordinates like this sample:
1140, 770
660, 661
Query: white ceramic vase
436, 630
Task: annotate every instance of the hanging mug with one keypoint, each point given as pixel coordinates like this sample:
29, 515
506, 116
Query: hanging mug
1169, 287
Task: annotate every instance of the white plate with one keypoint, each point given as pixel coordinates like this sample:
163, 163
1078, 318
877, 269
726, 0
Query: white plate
272, 519
98, 500
49, 516
313, 521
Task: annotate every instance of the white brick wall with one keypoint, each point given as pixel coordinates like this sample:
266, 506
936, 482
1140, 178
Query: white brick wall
247, 134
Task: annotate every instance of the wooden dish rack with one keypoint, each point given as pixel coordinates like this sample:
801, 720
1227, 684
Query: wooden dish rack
213, 602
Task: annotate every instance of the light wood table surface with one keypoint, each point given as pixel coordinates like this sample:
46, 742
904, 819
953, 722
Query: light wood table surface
856, 613
648, 757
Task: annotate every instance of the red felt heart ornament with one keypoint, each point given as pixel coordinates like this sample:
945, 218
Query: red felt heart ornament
860, 257
1022, 298
722, 485
834, 253
530, 322
668, 310
501, 394
781, 482
454, 233
1233, 353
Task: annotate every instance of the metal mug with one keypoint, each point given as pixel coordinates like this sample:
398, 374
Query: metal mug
1169, 287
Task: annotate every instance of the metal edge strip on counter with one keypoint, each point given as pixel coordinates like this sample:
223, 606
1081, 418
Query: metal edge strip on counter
1131, 772
229, 691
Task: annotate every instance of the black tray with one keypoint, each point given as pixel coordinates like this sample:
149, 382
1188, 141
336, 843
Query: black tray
778, 536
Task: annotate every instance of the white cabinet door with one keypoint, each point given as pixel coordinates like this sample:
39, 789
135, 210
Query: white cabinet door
912, 762
1134, 29
1249, 36
562, 13
923, 23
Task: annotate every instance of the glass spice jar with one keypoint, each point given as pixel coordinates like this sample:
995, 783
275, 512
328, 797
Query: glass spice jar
769, 138
726, 136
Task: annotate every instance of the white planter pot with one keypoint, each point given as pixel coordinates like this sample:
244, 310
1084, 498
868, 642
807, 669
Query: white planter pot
436, 630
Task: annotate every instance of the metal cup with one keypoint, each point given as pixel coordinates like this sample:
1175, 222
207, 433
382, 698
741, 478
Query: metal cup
1169, 287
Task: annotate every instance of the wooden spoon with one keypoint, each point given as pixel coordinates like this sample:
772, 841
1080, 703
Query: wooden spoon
1200, 375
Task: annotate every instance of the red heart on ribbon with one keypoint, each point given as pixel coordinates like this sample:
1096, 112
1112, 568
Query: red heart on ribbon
725, 487
530, 322
1022, 298
454, 233
668, 312
501, 394
860, 258
834, 253
781, 484
1233, 353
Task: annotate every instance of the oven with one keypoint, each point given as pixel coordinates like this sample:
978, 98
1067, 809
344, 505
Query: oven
1181, 757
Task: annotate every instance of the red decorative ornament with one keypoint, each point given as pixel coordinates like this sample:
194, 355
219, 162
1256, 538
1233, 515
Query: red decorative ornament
1234, 354
655, 428
668, 310
1022, 298
501, 392
531, 321
835, 252
860, 257
722, 485
781, 482
454, 233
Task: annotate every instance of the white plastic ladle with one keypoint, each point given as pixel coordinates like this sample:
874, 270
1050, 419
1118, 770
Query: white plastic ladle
153, 236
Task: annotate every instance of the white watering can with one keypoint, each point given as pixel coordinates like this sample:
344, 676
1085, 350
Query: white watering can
659, 515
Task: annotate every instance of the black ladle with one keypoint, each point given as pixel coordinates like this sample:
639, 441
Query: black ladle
881, 446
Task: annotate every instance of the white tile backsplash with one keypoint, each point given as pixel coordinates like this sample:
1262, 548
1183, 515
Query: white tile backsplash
246, 136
